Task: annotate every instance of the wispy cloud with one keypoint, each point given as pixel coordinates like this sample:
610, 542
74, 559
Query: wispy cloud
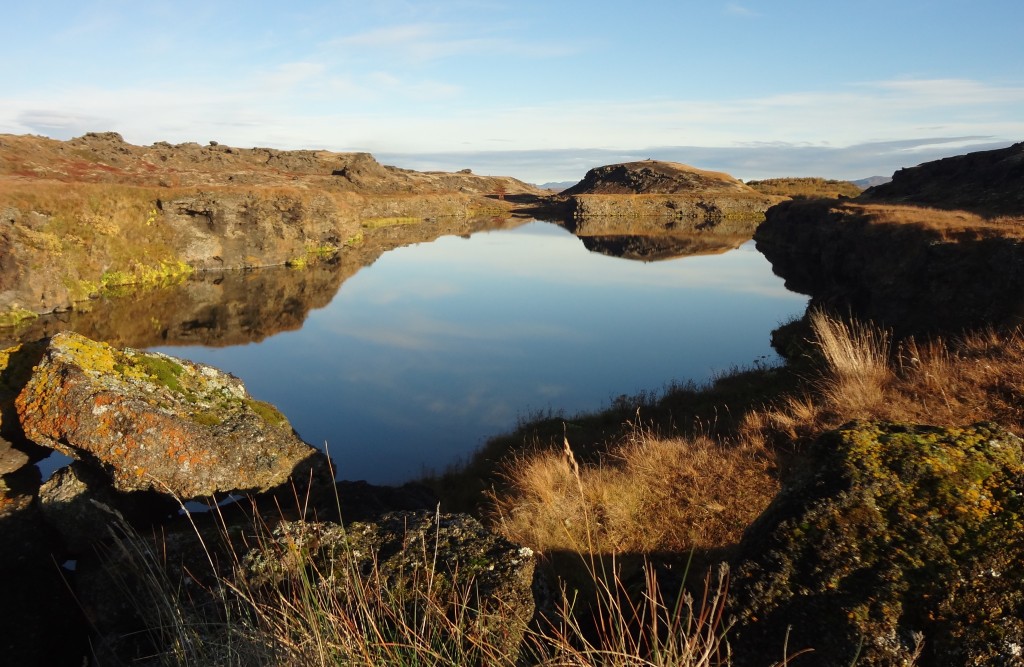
426, 42
748, 160
379, 111
733, 9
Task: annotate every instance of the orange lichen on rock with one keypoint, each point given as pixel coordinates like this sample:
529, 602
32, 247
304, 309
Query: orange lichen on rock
144, 417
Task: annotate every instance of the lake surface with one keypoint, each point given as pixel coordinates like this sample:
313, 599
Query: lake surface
423, 355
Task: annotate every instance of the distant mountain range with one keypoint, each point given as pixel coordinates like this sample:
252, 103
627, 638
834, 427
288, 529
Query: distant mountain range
871, 181
557, 186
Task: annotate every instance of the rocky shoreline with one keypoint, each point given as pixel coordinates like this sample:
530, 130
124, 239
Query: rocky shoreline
148, 433
890, 543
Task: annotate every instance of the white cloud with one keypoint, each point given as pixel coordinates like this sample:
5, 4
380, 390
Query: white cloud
385, 112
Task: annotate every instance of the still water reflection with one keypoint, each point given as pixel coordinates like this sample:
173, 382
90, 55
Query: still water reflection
434, 347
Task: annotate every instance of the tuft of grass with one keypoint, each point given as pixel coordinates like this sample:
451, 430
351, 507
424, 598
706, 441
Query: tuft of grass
649, 494
856, 356
298, 617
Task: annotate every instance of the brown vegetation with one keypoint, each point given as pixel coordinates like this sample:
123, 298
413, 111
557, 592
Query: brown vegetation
656, 490
950, 224
810, 187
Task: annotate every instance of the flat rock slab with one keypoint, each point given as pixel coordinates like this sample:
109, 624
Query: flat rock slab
153, 422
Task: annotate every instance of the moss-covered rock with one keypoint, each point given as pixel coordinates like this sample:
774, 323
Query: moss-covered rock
152, 422
903, 533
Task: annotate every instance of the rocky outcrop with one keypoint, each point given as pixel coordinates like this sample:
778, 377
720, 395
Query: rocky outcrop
105, 157
86, 217
152, 422
988, 183
892, 257
693, 198
910, 278
900, 537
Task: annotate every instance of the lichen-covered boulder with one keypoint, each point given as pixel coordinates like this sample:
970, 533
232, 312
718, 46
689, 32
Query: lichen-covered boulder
902, 537
419, 563
152, 422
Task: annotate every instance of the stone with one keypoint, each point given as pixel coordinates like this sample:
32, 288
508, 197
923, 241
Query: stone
11, 459
209, 565
904, 538
79, 504
152, 422
40, 618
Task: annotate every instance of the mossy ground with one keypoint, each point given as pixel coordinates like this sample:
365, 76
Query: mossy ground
902, 530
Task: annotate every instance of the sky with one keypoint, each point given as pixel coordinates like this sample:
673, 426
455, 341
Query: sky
537, 89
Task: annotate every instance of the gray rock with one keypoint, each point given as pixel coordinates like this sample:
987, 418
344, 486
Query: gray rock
79, 504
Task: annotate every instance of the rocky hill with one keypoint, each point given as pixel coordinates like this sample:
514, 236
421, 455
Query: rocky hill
104, 157
683, 197
939, 249
85, 217
988, 183
651, 177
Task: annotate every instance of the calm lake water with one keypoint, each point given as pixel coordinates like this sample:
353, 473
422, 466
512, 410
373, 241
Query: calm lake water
423, 355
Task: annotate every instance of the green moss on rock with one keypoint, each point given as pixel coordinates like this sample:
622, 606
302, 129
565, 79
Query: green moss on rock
903, 533
267, 412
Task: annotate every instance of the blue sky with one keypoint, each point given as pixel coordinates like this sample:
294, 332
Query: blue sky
538, 90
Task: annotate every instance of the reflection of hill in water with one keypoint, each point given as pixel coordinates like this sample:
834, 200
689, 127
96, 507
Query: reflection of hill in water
213, 308
654, 248
218, 309
222, 308
650, 238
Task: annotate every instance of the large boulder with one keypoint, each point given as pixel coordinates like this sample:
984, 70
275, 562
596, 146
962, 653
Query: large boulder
152, 422
903, 537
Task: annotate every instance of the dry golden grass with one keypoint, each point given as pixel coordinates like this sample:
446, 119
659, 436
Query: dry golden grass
805, 187
975, 377
950, 224
650, 494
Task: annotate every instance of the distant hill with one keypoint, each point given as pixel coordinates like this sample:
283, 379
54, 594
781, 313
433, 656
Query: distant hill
651, 177
557, 186
667, 195
806, 187
871, 181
